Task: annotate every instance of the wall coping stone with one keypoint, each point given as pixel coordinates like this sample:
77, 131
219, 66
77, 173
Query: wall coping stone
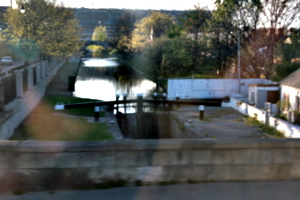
134, 145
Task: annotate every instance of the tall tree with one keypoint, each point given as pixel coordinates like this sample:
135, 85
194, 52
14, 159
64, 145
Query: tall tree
45, 29
277, 16
287, 56
252, 18
195, 23
124, 28
150, 28
238, 21
99, 34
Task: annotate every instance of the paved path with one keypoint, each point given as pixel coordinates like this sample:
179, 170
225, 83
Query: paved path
271, 190
218, 123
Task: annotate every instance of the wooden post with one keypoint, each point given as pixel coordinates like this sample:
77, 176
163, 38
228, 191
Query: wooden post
124, 97
201, 112
117, 103
97, 113
140, 103
164, 104
155, 103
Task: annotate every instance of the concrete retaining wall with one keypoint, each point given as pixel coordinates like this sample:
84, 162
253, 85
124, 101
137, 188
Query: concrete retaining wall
34, 166
209, 88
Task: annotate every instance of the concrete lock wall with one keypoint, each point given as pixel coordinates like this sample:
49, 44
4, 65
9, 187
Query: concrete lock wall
34, 166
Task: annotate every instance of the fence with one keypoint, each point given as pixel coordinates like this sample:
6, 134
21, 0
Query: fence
20, 91
265, 116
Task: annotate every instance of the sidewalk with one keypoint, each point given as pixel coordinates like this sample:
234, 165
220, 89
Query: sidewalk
271, 190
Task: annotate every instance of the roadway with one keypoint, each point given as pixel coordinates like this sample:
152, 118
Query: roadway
265, 190
6, 68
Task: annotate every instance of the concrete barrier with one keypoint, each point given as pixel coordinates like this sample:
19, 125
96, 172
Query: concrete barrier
36, 166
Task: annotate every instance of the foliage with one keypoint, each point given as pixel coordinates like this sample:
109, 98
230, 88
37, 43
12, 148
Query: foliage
196, 21
123, 33
99, 34
150, 28
258, 44
266, 129
45, 28
288, 56
283, 105
166, 58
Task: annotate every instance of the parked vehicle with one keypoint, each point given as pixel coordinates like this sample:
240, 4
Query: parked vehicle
6, 60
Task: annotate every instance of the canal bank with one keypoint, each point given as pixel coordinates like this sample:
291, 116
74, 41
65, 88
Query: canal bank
59, 87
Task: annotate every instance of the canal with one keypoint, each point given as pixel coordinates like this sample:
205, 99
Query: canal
103, 78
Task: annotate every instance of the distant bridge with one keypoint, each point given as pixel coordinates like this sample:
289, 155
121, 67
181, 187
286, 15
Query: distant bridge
104, 44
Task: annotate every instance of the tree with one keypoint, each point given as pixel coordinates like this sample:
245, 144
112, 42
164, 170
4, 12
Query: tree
287, 56
99, 34
278, 15
123, 29
237, 21
251, 18
44, 29
150, 28
195, 23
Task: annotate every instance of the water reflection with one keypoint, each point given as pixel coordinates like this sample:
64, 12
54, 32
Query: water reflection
104, 78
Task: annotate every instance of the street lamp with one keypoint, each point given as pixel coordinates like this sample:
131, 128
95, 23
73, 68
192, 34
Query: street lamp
22, 10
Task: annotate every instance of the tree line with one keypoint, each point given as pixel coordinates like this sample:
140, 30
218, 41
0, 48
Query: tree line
43, 29
207, 42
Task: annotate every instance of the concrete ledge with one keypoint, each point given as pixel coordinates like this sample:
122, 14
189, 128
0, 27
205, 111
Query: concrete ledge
35, 166
171, 144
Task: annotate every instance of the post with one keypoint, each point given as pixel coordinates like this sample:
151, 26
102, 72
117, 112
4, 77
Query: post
164, 98
117, 102
124, 97
177, 98
239, 61
96, 113
139, 117
19, 82
201, 112
155, 98
140, 103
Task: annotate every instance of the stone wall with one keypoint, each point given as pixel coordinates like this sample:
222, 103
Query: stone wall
36, 166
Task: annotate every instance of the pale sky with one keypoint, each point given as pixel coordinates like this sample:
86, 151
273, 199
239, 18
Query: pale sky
132, 4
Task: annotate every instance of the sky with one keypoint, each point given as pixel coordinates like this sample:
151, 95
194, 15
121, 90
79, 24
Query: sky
132, 4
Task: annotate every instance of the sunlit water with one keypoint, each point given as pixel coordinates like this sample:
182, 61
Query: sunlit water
103, 79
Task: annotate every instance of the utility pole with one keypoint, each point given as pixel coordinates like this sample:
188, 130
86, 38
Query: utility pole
239, 61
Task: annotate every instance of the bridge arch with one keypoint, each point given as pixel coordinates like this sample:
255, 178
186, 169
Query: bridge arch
104, 44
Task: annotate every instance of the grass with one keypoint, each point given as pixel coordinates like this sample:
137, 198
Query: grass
266, 129
42, 125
